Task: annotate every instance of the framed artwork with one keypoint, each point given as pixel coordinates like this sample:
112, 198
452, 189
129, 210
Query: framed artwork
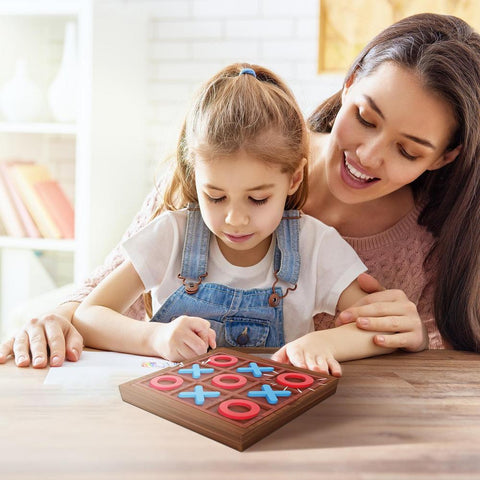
347, 25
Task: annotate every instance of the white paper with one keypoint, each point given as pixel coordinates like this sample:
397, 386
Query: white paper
103, 370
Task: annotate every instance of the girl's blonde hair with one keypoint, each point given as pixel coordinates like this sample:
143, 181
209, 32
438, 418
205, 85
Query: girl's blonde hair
233, 112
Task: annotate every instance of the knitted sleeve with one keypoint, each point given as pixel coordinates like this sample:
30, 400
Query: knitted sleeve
116, 258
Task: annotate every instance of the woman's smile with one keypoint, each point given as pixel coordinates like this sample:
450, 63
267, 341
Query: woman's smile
354, 175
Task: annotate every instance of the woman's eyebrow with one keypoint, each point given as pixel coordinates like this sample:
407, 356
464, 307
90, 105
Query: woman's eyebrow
374, 106
421, 141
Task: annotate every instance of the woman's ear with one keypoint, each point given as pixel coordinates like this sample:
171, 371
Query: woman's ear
348, 83
297, 177
448, 157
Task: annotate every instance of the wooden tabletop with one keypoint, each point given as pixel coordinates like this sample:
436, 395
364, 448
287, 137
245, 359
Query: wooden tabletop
397, 416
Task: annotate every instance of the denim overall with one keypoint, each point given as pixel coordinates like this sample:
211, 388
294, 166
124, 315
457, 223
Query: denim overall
240, 318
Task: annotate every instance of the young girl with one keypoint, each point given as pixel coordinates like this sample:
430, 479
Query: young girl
223, 265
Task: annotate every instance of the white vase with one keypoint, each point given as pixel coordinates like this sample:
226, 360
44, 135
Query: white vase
21, 98
62, 93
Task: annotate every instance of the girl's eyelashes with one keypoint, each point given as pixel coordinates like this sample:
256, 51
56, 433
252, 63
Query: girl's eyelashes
261, 201
215, 199
255, 201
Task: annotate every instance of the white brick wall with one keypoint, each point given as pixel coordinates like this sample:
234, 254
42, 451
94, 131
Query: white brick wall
189, 40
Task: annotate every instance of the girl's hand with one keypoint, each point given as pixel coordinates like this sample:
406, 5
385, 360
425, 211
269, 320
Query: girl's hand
311, 351
387, 311
184, 338
52, 331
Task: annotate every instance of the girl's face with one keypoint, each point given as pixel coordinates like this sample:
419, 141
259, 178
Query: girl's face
242, 200
388, 131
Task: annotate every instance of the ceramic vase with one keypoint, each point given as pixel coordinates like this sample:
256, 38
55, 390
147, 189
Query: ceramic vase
62, 93
21, 98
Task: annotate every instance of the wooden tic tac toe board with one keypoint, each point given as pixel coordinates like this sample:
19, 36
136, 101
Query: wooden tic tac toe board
230, 396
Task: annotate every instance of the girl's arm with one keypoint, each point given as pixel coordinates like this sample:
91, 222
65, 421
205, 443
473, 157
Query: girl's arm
99, 321
324, 349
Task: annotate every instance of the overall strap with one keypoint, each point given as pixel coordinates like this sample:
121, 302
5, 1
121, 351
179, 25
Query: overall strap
286, 260
195, 249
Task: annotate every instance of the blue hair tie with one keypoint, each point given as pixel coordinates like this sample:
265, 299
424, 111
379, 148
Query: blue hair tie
248, 71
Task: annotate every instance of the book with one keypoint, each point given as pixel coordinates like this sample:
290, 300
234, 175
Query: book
58, 206
26, 175
20, 208
12, 225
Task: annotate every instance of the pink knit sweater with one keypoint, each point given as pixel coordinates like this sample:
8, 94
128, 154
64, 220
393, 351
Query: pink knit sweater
395, 257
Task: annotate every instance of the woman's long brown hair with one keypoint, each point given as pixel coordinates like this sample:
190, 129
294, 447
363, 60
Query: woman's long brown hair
445, 52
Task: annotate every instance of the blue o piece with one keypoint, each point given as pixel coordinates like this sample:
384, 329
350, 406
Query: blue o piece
270, 395
196, 371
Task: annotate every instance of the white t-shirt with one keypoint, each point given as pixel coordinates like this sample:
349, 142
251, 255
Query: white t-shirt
328, 266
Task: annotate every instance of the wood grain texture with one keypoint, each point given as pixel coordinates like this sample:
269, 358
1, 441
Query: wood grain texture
399, 416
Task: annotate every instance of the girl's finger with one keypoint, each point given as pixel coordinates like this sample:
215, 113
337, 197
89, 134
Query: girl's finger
334, 367
317, 363
195, 343
297, 357
281, 356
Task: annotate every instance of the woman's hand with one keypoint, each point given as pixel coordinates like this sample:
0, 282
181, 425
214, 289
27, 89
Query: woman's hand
387, 311
52, 332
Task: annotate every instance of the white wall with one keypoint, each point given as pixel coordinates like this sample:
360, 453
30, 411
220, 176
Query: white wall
189, 40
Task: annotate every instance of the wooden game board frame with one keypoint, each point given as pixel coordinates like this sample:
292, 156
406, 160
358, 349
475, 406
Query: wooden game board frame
138, 393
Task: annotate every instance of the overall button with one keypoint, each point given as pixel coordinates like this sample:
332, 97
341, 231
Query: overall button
243, 338
274, 300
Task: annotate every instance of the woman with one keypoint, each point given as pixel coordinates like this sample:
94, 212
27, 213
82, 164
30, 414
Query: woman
394, 168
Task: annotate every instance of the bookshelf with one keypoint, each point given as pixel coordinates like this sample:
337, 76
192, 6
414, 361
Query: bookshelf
99, 158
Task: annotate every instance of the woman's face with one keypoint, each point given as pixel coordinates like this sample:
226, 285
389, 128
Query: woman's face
388, 131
